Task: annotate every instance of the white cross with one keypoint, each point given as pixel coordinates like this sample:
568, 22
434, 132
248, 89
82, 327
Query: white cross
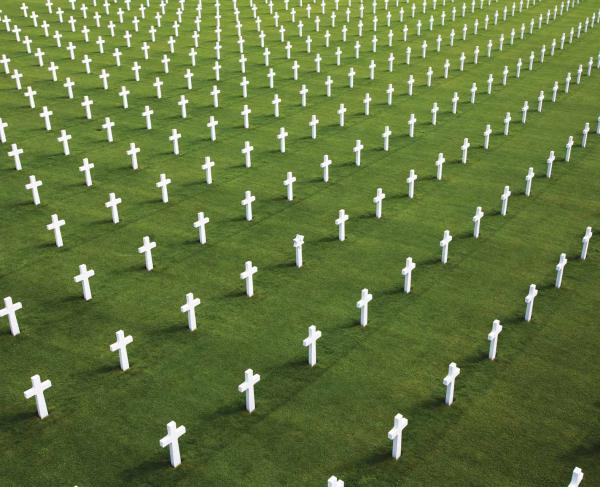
33, 186
311, 342
473, 92
246, 151
136, 69
576, 477
207, 167
314, 121
247, 202
411, 125
372, 67
271, 75
455, 99
244, 84
440, 165
10, 309
363, 305
55, 227
367, 102
298, 242
493, 338
477, 221
104, 75
40, 55
37, 390
108, 125
550, 163
244, 113
64, 140
504, 198
87, 61
407, 273
250, 380
174, 432
174, 139
341, 112
212, 125
449, 380
123, 94
17, 77
560, 267
568, 148
378, 200
410, 82
412, 177
200, 224
303, 92
465, 149
146, 249
87, 106
358, 147
133, 152
333, 481
188, 77
586, 242
247, 275
163, 185
540, 101
351, 74
507, 120
434, 111
528, 180
147, 113
486, 136
113, 203
524, 111
395, 434
86, 168
529, 299
121, 346
3, 126
45, 114
282, 135
190, 308
158, 85
30, 93
5, 61
328, 84
289, 184
445, 243
341, 223
84, 278
165, 62
215, 94
276, 101
325, 166
586, 130
386, 138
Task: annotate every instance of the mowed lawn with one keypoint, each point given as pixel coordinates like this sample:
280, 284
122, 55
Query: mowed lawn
527, 418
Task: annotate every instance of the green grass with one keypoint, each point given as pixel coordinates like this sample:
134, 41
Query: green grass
526, 419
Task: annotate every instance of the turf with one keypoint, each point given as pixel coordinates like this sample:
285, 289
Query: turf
526, 419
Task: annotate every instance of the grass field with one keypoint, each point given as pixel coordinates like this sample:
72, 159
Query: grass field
526, 419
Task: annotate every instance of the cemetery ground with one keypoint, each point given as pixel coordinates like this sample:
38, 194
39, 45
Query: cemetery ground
527, 418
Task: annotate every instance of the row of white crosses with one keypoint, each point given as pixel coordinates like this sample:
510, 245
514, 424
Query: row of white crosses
84, 274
